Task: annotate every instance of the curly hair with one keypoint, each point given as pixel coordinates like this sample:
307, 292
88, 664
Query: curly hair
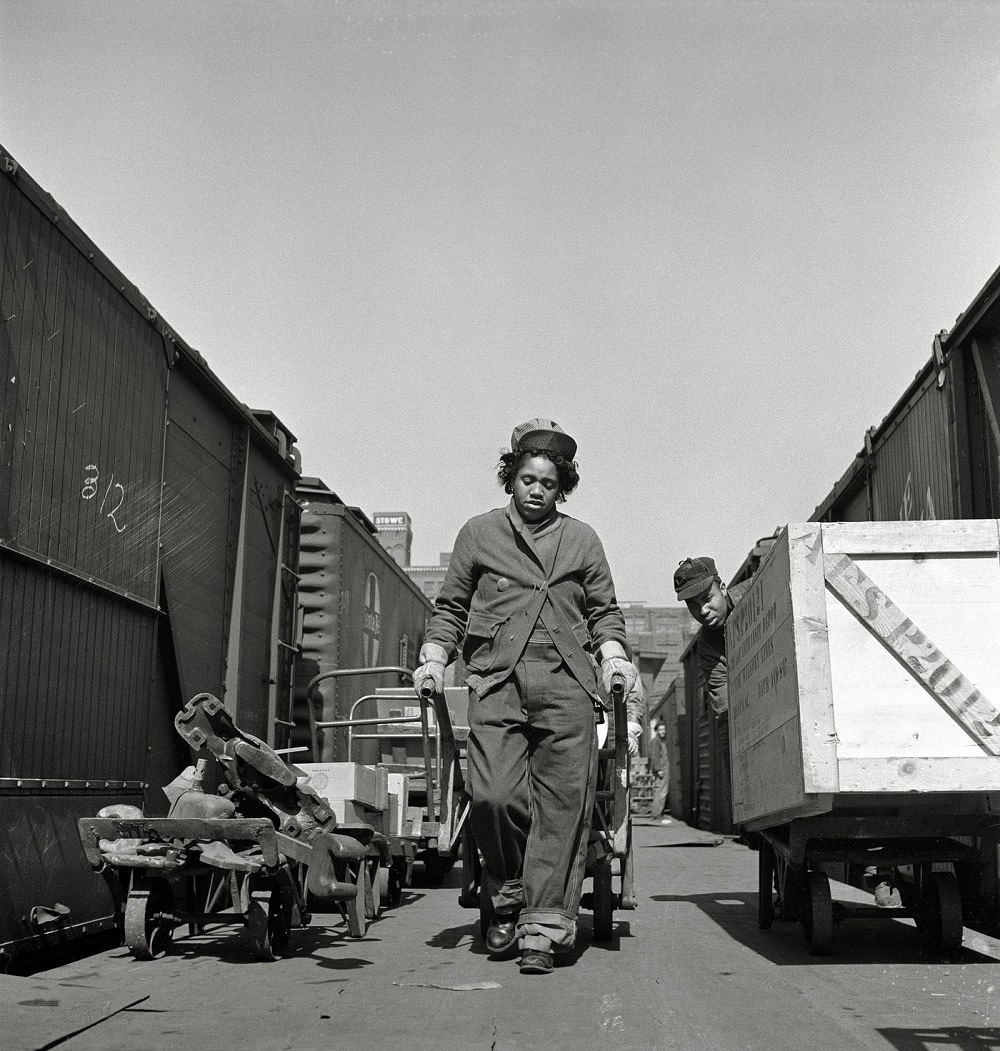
510, 463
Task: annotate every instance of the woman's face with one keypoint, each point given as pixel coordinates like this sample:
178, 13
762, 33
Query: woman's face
536, 486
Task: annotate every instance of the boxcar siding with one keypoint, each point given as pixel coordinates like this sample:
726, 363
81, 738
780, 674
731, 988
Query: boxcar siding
83, 481
203, 483
98, 655
913, 479
265, 508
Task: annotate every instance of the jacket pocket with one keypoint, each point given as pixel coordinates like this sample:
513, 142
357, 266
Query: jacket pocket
481, 649
581, 634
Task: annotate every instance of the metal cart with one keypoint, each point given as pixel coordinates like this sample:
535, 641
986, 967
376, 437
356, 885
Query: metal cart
416, 737
251, 853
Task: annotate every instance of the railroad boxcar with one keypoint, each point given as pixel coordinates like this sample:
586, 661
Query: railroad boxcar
148, 547
935, 455
360, 610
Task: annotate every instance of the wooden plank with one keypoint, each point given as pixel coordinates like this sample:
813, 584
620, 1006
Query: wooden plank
918, 654
977, 774
765, 782
810, 677
160, 829
760, 639
900, 538
765, 727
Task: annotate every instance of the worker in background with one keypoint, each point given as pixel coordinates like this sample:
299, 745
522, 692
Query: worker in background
659, 767
530, 598
698, 584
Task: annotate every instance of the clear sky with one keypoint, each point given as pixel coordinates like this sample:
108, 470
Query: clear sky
713, 240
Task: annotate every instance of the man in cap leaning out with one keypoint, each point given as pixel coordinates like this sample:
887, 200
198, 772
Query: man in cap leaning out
698, 584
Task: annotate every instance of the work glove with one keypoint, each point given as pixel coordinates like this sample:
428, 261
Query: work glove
618, 666
634, 733
433, 660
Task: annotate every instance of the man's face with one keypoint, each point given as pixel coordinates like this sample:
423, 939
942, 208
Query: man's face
711, 607
661, 730
536, 486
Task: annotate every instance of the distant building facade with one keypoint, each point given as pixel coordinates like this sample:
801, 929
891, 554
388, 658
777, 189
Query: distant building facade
395, 534
658, 636
430, 578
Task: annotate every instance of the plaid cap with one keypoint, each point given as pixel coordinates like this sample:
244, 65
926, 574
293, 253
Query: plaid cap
693, 576
544, 435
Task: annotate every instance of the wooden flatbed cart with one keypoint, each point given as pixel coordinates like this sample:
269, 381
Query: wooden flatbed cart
910, 857
609, 864
418, 739
864, 727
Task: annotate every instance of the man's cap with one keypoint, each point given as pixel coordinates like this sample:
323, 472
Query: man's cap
544, 435
693, 576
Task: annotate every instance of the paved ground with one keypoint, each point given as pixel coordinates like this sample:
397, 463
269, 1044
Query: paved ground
689, 969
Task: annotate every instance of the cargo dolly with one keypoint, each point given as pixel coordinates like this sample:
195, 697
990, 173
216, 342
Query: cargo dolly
609, 862
251, 854
908, 854
416, 737
864, 724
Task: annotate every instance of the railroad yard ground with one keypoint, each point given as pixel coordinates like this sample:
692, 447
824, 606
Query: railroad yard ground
689, 969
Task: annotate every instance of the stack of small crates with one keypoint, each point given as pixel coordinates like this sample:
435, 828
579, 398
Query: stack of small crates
643, 785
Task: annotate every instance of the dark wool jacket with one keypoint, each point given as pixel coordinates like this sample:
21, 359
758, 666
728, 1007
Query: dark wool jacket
712, 657
496, 588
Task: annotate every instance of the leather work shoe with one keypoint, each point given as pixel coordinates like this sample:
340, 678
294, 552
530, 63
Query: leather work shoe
536, 961
502, 931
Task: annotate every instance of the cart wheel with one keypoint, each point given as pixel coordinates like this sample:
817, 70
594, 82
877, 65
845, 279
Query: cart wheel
791, 889
437, 866
397, 880
817, 913
383, 886
373, 891
942, 907
269, 923
472, 871
433, 867
485, 908
354, 908
765, 886
148, 926
604, 904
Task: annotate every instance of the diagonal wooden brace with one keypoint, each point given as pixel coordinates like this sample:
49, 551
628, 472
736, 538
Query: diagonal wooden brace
914, 650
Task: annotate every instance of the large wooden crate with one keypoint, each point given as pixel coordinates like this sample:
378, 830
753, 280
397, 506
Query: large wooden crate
865, 658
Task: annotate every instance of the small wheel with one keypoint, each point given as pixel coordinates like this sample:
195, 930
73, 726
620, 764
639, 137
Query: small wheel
354, 908
817, 913
437, 866
372, 889
485, 907
791, 886
765, 886
269, 923
148, 925
433, 867
604, 904
472, 873
383, 886
397, 880
943, 912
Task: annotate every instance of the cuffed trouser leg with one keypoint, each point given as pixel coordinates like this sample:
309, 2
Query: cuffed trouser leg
497, 756
532, 762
